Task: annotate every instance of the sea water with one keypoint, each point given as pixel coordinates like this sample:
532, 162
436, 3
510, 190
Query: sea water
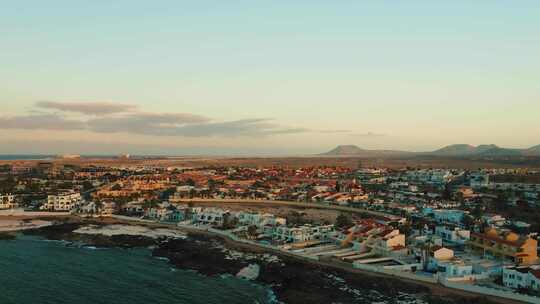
35, 271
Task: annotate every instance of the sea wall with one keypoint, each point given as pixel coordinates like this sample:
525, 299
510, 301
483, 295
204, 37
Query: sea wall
491, 292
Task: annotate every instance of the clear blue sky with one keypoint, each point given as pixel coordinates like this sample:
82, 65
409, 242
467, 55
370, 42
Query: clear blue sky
268, 76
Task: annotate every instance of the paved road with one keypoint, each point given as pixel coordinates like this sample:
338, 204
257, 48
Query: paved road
294, 204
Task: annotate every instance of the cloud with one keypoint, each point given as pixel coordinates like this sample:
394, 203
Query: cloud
89, 108
334, 131
368, 134
186, 125
40, 122
145, 123
122, 118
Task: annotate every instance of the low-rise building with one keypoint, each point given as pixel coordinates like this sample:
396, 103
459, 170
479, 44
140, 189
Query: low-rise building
445, 216
522, 277
302, 233
209, 216
7, 201
453, 235
521, 250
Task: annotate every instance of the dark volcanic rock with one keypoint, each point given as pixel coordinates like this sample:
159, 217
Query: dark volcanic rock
6, 236
65, 232
196, 253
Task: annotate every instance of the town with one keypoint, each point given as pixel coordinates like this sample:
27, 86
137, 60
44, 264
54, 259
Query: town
475, 230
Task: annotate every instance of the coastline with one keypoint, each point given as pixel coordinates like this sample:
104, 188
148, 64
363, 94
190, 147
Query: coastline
293, 281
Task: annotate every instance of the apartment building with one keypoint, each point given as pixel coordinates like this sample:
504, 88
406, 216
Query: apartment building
521, 250
62, 202
7, 201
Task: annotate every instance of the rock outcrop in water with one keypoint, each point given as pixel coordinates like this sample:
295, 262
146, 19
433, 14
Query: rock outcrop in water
251, 272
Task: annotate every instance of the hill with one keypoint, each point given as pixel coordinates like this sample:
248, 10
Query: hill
461, 150
355, 151
345, 150
456, 150
534, 151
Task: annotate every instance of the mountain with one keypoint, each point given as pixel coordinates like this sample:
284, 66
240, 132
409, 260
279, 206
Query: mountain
534, 151
344, 150
481, 150
355, 151
456, 150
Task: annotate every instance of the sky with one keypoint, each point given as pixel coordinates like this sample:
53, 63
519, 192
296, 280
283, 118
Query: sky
266, 77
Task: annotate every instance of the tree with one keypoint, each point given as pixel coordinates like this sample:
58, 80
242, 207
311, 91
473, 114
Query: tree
252, 231
468, 221
87, 185
150, 204
343, 221
190, 182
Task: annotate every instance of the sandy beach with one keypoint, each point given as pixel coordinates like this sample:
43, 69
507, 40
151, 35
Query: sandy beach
17, 224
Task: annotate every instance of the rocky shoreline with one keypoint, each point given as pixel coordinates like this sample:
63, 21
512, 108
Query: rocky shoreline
292, 280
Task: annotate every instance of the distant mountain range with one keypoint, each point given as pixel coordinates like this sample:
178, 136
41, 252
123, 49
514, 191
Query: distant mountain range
458, 150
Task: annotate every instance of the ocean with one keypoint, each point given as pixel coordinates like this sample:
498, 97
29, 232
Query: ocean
25, 157
38, 271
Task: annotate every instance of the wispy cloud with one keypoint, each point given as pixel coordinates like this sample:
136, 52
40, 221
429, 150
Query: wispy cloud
89, 108
121, 118
190, 127
41, 122
368, 134
334, 131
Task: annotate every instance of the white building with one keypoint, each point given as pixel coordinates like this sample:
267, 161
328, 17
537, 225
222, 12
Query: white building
522, 277
260, 219
453, 235
62, 202
303, 233
7, 201
209, 216
390, 243
445, 216
443, 261
479, 180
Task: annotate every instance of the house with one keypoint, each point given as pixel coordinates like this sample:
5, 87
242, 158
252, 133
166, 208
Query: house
493, 220
101, 209
465, 192
133, 208
453, 235
445, 216
390, 242
443, 261
505, 245
302, 233
107, 208
209, 216
259, 219
479, 180
522, 277
373, 236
